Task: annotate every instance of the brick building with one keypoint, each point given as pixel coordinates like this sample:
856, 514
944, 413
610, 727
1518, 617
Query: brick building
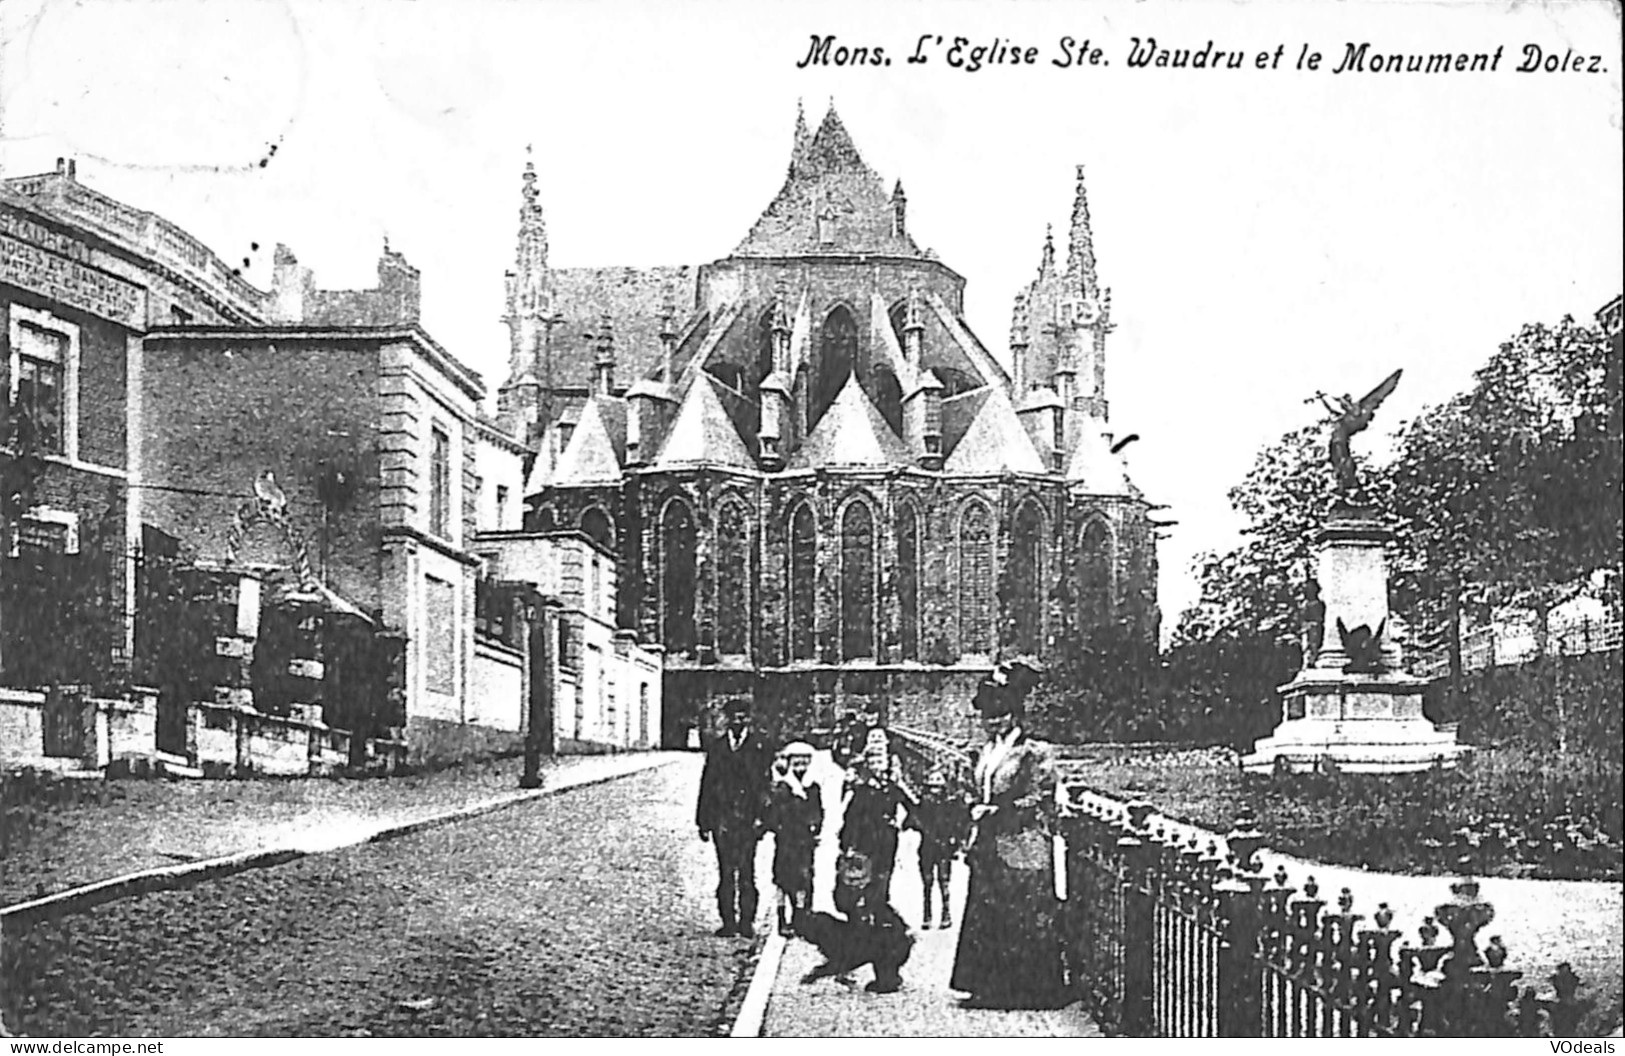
821, 488
83, 278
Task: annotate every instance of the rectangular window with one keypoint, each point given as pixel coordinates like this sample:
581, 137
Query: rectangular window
37, 388
439, 636
440, 484
502, 505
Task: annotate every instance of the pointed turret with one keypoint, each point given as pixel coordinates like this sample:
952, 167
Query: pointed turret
914, 329
776, 392
603, 366
803, 140
899, 211
1020, 329
668, 336
1080, 256
1046, 263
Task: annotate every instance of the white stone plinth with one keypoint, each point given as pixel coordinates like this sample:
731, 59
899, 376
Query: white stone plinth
1363, 724
1363, 721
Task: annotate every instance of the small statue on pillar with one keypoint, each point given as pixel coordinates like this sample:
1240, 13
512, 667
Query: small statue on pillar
1312, 621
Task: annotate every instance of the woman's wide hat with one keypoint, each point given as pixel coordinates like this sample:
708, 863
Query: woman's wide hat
1004, 690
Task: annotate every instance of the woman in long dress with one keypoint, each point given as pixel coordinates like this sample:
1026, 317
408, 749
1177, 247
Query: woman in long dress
1010, 952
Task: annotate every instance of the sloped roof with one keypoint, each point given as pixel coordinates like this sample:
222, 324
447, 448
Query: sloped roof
703, 434
996, 442
958, 412
597, 446
852, 433
828, 177
1093, 465
634, 299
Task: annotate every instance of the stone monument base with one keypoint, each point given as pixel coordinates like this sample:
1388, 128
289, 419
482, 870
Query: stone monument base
1364, 724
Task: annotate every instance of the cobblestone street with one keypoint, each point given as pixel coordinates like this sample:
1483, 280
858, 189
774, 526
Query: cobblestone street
586, 913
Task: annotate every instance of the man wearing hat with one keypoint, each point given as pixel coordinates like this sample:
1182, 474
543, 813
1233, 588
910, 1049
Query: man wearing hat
731, 814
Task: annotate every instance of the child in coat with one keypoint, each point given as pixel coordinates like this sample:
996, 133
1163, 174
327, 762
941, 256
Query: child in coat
796, 814
943, 819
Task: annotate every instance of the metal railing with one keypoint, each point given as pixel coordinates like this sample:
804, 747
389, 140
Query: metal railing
1172, 932
1170, 938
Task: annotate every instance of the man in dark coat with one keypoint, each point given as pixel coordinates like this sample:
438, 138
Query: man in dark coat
734, 790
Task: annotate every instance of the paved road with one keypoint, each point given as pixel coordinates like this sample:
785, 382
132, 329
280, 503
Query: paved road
587, 913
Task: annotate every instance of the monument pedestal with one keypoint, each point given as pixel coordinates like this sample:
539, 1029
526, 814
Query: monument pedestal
1353, 703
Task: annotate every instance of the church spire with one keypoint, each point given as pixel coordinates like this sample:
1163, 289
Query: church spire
1080, 258
798, 153
1046, 263
523, 402
527, 283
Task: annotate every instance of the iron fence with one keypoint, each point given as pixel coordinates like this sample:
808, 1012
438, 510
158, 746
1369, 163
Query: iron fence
1174, 933
1171, 938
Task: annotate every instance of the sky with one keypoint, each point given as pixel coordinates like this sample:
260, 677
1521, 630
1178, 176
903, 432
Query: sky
1266, 233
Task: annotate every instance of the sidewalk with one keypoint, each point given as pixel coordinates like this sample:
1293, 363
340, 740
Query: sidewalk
151, 824
925, 1007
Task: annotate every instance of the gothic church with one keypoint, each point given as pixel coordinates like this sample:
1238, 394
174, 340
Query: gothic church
823, 490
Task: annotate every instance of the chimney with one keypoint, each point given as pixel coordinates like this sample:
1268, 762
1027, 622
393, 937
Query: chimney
288, 282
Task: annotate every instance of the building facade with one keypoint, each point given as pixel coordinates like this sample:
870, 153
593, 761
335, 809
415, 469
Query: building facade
83, 279
822, 489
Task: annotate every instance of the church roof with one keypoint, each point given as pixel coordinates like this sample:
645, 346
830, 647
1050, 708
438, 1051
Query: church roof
597, 446
634, 299
996, 442
958, 413
852, 433
703, 433
1092, 464
829, 179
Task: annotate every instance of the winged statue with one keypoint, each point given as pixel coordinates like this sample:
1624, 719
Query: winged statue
1351, 416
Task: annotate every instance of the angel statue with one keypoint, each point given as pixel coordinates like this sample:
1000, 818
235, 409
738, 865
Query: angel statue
1350, 416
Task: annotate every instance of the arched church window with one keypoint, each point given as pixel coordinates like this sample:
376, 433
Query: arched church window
596, 525
837, 356
803, 584
976, 579
677, 550
888, 397
1027, 578
908, 581
1095, 559
857, 582
733, 580
543, 519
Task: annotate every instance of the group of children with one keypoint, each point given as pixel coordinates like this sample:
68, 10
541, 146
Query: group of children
876, 803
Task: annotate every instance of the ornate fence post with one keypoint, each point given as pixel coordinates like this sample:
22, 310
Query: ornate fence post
1139, 921
1241, 899
1463, 915
1564, 1011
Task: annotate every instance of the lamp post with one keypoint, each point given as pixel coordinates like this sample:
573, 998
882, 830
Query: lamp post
539, 715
